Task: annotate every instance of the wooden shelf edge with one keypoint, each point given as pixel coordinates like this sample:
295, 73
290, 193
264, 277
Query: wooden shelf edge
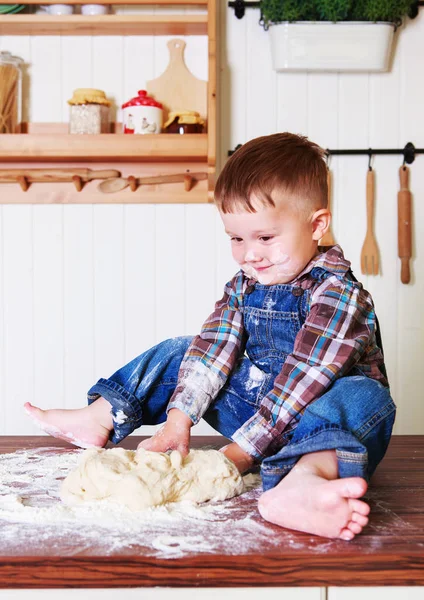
124, 2
103, 25
107, 147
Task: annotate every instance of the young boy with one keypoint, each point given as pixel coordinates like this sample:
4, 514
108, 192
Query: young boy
287, 366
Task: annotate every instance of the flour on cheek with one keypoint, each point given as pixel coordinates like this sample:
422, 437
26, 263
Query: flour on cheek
283, 263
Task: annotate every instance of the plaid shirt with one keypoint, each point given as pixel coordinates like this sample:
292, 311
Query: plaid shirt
338, 333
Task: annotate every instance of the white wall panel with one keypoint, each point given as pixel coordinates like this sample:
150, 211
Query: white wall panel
292, 102
170, 266
48, 302
140, 312
108, 282
18, 317
260, 83
85, 289
78, 304
45, 81
76, 68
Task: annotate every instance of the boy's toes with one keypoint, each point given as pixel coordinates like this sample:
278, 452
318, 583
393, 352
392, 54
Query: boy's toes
31, 410
358, 518
354, 527
358, 506
346, 534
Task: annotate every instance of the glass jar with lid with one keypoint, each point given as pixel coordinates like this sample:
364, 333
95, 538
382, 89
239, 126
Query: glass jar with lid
184, 121
89, 111
10, 92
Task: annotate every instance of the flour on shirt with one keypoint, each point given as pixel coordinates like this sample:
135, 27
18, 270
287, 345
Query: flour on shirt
200, 385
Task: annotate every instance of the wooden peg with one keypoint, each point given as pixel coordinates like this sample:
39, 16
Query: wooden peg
77, 180
188, 182
132, 183
23, 182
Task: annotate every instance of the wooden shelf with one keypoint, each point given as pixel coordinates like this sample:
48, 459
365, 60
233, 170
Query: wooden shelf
113, 147
123, 2
42, 145
104, 25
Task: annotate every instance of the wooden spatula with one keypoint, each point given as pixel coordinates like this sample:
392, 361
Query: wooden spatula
328, 238
404, 224
369, 252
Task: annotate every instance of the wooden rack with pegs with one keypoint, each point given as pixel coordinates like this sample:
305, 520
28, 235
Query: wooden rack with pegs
25, 177
117, 184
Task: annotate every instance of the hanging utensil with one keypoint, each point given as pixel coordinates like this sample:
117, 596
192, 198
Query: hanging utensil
117, 184
328, 238
404, 224
369, 252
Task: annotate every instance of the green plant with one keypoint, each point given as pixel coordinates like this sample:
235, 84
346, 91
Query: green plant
333, 10
276, 11
380, 10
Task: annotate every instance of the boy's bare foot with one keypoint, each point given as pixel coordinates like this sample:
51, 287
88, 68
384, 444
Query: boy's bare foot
84, 427
308, 500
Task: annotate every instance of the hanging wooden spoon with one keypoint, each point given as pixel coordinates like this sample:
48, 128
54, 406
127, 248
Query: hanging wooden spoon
120, 183
404, 224
328, 238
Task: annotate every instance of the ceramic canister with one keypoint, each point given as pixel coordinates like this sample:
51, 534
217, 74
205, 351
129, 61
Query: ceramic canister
142, 114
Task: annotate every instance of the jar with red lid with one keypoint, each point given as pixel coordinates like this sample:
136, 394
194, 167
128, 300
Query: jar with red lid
142, 114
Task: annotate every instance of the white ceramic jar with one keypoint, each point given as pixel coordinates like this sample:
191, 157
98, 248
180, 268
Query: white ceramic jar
142, 114
94, 9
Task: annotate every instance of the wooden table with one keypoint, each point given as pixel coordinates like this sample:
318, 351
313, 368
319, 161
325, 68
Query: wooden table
390, 551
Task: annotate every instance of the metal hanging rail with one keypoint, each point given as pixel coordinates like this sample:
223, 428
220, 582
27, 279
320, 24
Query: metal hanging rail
408, 152
241, 5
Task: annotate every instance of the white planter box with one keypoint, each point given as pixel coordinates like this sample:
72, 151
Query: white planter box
324, 46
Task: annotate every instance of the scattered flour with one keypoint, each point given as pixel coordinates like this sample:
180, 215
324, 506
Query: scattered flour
33, 518
256, 377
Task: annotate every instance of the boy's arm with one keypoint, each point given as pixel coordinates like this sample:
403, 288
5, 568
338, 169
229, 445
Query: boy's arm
204, 370
337, 331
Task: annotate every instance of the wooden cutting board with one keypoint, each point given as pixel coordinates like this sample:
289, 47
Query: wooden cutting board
177, 88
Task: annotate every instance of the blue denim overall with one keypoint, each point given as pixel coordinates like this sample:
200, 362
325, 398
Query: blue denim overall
354, 417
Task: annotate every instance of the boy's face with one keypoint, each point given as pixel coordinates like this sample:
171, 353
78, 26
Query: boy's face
273, 245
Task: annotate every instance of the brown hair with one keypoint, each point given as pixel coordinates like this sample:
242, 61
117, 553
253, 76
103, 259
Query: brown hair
282, 163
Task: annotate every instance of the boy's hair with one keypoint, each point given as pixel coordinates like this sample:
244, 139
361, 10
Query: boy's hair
282, 164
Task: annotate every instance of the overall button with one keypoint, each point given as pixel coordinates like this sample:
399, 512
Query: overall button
249, 289
297, 291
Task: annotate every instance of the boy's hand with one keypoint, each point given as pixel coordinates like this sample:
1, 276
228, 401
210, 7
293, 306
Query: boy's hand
174, 435
240, 458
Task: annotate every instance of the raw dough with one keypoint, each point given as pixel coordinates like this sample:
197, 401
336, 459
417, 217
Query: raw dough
139, 479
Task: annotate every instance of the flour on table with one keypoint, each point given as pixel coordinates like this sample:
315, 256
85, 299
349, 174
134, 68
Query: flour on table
141, 479
34, 521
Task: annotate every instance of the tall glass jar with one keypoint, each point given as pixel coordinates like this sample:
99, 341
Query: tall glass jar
10, 92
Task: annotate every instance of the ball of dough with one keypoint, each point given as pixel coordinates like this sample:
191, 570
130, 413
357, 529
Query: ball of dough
140, 479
